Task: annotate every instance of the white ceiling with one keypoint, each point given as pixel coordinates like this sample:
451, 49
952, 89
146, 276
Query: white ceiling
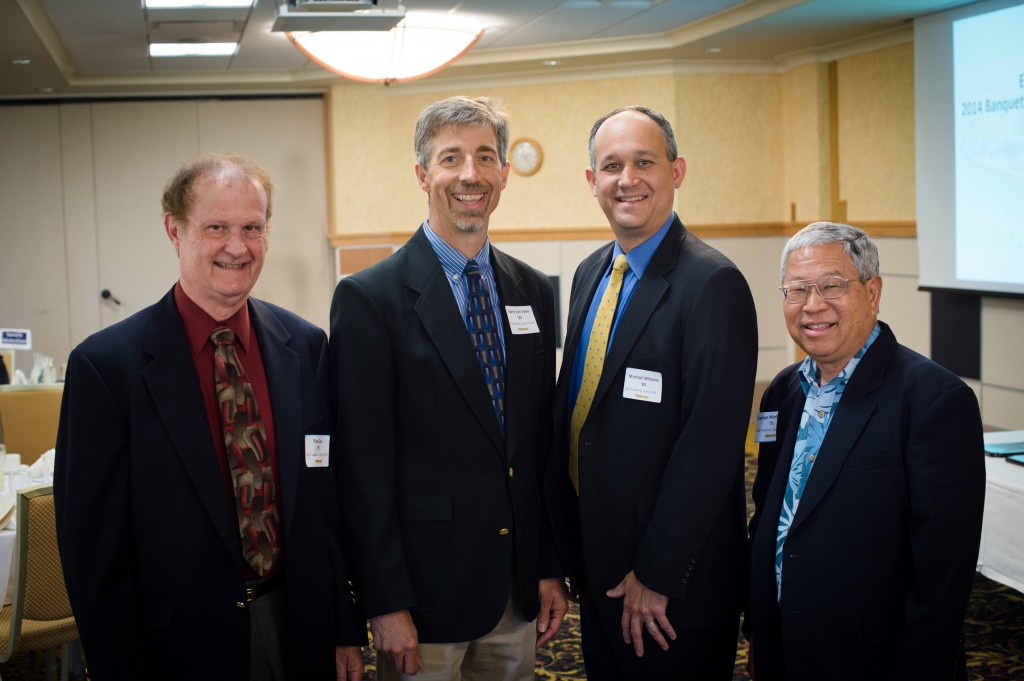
99, 48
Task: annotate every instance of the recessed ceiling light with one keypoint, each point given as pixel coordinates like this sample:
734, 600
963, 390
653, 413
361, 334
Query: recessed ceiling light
193, 4
46, 90
192, 49
714, 50
21, 61
551, 62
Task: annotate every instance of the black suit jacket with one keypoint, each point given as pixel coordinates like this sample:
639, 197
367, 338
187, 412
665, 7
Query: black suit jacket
881, 555
148, 538
661, 485
442, 511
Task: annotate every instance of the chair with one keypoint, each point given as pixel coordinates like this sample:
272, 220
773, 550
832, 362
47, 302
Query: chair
40, 617
30, 415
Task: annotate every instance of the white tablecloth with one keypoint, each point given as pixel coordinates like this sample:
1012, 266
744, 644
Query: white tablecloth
1002, 539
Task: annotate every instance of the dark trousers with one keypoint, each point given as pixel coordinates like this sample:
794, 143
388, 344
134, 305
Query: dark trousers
705, 654
268, 647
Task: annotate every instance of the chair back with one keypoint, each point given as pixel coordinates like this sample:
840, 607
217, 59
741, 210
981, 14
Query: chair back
40, 596
30, 415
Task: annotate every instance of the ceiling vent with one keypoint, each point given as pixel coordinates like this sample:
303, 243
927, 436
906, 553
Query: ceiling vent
324, 15
332, 5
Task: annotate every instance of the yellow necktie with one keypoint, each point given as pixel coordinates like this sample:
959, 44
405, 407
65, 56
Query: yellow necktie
594, 363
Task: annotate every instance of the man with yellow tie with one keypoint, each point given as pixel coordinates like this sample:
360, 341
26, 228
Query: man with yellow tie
652, 406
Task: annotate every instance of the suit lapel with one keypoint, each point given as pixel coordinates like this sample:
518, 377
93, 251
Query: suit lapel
519, 349
439, 315
790, 410
851, 417
170, 378
650, 290
281, 365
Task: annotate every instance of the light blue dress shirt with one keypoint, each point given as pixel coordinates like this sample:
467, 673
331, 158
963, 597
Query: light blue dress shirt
638, 258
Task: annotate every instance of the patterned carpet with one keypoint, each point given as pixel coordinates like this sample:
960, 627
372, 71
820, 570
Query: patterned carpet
994, 633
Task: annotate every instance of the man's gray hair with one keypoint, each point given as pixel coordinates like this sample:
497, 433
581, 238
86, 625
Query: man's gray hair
460, 112
671, 148
860, 247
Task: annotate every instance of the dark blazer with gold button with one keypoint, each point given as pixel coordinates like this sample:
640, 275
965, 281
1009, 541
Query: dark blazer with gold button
442, 510
661, 484
881, 554
148, 536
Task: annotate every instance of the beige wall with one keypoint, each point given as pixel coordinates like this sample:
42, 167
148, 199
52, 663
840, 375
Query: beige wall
75, 178
80, 186
876, 134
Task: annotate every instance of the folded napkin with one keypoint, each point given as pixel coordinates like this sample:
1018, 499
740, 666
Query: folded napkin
6, 511
43, 466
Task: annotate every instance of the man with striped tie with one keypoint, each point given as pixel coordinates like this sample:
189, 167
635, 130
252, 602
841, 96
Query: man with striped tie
442, 362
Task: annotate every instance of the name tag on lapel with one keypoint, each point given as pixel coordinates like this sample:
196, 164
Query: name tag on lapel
642, 385
521, 319
318, 451
764, 426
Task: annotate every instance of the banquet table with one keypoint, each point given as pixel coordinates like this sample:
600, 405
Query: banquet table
1001, 556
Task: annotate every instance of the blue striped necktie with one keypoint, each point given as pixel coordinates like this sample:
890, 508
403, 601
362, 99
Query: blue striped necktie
483, 332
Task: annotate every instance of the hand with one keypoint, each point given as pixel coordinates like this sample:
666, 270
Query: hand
553, 607
642, 609
395, 635
348, 661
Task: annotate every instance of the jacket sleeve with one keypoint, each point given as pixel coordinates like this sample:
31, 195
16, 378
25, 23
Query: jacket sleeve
91, 496
704, 470
945, 471
363, 384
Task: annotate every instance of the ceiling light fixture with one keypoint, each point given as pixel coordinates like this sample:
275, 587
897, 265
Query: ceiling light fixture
192, 49
196, 4
420, 45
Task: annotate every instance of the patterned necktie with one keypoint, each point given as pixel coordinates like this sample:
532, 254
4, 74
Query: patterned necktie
594, 363
248, 461
483, 332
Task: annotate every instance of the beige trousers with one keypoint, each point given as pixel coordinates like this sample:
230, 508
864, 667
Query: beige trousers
507, 653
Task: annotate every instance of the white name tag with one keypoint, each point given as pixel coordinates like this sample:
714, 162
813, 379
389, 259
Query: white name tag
642, 385
521, 319
764, 426
318, 451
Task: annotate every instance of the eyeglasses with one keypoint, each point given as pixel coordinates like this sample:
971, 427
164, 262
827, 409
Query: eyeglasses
829, 287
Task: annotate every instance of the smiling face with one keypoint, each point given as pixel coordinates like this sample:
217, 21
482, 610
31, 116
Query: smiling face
223, 242
830, 331
633, 179
463, 180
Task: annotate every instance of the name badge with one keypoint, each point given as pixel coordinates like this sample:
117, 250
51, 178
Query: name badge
764, 426
318, 451
642, 385
521, 319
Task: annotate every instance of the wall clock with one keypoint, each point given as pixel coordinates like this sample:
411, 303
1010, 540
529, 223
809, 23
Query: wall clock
525, 155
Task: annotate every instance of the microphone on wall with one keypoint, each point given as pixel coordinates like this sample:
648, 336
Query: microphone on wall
107, 295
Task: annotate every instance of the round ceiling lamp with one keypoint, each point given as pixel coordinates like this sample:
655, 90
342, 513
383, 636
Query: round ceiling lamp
420, 45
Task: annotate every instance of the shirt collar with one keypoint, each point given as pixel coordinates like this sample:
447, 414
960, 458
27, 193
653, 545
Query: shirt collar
810, 374
199, 325
452, 261
640, 256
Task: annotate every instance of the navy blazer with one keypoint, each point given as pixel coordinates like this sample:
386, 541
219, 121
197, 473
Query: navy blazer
148, 538
661, 484
881, 555
443, 511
